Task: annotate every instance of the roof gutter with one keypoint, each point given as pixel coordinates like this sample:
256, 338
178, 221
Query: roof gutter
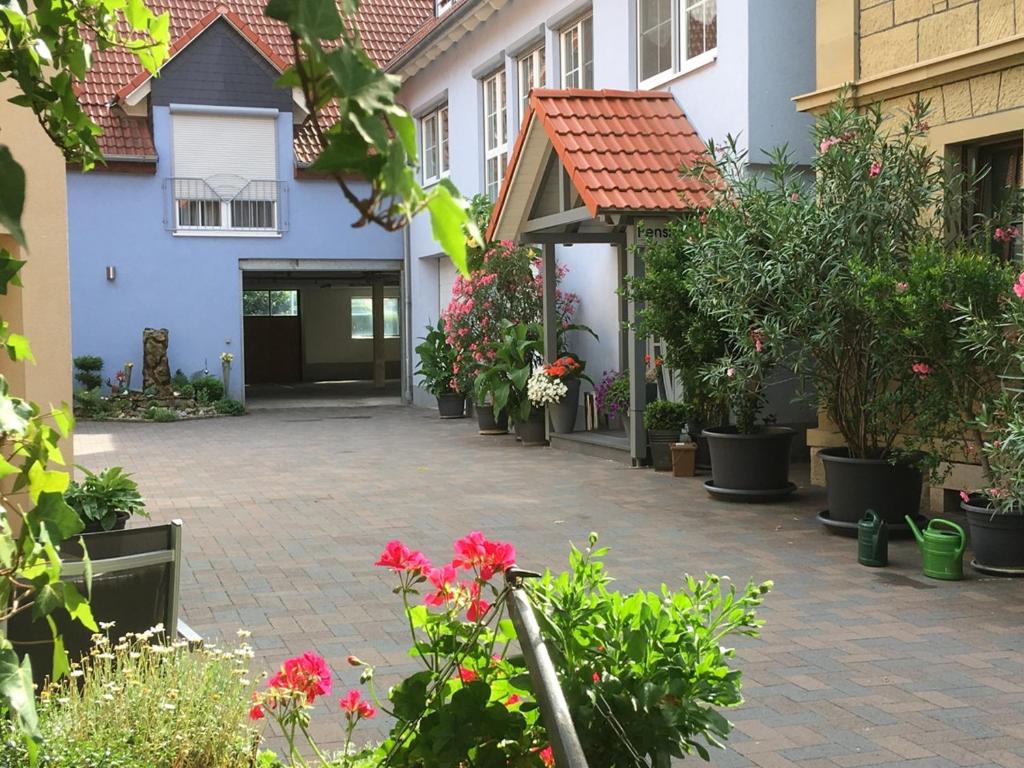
459, 21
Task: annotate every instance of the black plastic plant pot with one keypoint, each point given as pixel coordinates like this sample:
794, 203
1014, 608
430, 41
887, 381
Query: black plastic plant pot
451, 405
488, 424
854, 486
997, 538
94, 526
660, 441
752, 467
531, 431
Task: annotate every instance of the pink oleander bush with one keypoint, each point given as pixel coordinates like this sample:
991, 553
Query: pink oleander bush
506, 286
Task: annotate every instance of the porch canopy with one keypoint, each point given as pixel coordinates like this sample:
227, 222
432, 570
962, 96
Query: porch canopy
591, 166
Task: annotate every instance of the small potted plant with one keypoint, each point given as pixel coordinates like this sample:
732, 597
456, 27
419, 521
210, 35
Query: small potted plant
664, 421
504, 376
568, 372
611, 398
104, 501
440, 373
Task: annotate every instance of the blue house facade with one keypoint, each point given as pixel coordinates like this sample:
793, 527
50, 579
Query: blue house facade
205, 223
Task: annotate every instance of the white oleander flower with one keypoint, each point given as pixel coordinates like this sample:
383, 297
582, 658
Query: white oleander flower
543, 390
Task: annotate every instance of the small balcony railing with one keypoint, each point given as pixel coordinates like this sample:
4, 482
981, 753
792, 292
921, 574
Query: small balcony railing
226, 204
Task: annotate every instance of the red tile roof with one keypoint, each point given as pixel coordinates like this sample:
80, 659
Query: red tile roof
623, 150
385, 26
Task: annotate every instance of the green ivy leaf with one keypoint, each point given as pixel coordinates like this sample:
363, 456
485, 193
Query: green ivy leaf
12, 194
16, 688
53, 513
9, 268
77, 606
448, 220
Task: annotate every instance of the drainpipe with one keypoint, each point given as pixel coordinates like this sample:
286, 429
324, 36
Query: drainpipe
407, 368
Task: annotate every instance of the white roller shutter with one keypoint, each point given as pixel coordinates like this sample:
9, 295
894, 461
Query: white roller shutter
227, 151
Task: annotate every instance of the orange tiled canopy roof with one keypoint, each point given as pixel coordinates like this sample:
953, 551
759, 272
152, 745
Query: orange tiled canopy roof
622, 150
385, 26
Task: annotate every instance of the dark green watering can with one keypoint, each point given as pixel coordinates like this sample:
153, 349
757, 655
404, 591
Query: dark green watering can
942, 548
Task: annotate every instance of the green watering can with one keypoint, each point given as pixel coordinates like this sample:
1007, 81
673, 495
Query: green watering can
942, 548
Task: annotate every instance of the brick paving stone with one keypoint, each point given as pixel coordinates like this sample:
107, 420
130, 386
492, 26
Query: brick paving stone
286, 510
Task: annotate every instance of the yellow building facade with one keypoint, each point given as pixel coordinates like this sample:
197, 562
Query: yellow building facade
966, 58
41, 310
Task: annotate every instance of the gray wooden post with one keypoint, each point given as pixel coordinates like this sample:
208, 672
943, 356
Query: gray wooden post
379, 356
635, 359
550, 315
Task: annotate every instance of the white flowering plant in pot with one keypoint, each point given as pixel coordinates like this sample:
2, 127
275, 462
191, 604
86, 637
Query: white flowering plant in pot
545, 389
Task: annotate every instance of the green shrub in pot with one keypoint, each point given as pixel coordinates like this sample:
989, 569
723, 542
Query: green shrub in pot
104, 497
436, 369
503, 378
665, 415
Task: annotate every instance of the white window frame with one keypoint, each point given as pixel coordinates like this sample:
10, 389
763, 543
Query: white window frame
675, 30
578, 30
442, 6
438, 151
398, 317
680, 44
530, 68
495, 114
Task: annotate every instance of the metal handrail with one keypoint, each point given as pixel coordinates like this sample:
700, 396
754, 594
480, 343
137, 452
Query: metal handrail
553, 707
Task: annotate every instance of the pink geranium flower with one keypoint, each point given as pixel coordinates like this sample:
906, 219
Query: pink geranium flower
354, 706
547, 756
467, 675
307, 674
475, 551
443, 579
399, 557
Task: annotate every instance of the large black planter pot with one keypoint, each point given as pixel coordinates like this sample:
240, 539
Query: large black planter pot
93, 526
531, 432
451, 405
488, 424
749, 467
703, 460
660, 441
563, 414
997, 539
854, 486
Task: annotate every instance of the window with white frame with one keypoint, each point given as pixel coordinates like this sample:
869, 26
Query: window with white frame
495, 132
440, 6
435, 145
224, 172
577, 42
531, 75
671, 33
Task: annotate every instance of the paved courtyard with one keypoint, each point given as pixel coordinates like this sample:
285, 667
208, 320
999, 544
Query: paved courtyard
286, 510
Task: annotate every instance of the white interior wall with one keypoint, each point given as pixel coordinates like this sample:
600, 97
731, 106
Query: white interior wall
327, 326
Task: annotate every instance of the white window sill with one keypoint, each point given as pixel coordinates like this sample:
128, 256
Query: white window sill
427, 183
689, 66
222, 233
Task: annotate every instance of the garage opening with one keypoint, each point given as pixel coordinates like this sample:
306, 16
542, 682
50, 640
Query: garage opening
322, 338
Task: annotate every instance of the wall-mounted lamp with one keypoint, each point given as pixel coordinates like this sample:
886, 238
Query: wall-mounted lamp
111, 273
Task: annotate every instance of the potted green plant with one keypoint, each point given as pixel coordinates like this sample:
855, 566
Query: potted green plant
440, 373
664, 420
692, 338
749, 220
833, 293
503, 379
104, 501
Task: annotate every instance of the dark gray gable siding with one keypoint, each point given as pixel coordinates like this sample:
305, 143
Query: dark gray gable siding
220, 68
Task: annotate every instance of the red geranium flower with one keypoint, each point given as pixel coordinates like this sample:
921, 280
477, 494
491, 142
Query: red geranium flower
467, 675
443, 579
